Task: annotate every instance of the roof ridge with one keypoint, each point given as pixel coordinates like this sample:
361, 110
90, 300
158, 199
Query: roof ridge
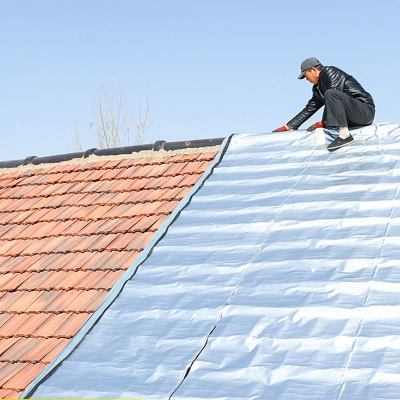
158, 149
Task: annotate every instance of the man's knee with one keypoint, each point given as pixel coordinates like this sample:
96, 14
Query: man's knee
333, 93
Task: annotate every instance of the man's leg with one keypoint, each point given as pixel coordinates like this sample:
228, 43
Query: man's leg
343, 111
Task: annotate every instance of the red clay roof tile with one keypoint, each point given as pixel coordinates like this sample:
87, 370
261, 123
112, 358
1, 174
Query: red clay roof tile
14, 232
72, 199
70, 326
60, 168
88, 199
8, 205
125, 173
25, 376
94, 303
18, 247
108, 280
14, 394
43, 280
158, 224
76, 228
108, 225
68, 233
121, 241
8, 371
118, 198
5, 393
80, 300
5, 218
81, 243
128, 225
15, 282
30, 324
55, 351
72, 261
104, 241
110, 174
39, 262
71, 280
28, 350
19, 264
35, 216
54, 244
4, 318
12, 325
97, 212
4, 229
111, 164
61, 301
18, 301
174, 169
21, 217
61, 188
90, 279
124, 185
5, 344
51, 325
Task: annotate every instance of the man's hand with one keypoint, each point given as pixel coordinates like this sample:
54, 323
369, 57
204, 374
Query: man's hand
319, 124
284, 128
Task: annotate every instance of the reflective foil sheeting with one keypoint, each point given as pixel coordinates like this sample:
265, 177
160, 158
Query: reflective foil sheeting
280, 280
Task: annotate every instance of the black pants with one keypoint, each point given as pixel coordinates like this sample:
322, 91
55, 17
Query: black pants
341, 110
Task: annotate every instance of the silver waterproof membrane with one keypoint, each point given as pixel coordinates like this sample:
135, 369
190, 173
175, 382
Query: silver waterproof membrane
280, 280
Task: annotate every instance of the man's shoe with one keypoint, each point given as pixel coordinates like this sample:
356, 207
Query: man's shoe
339, 142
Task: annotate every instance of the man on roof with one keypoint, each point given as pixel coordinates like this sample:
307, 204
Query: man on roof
346, 102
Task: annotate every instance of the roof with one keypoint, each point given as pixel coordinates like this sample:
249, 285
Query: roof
279, 279
68, 231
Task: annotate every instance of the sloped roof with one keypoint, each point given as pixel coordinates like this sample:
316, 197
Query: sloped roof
68, 231
278, 280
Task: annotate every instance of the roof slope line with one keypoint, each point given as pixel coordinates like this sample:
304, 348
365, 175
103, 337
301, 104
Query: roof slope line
130, 272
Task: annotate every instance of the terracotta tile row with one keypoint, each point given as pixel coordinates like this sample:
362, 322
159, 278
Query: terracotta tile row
104, 165
133, 172
30, 198
87, 199
55, 301
10, 394
42, 325
135, 241
75, 213
16, 376
106, 260
62, 280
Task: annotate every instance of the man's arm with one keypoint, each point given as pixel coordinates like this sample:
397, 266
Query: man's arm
309, 110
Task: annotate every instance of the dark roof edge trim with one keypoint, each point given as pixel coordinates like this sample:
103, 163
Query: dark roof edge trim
115, 151
129, 273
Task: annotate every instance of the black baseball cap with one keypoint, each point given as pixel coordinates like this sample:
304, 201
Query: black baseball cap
307, 65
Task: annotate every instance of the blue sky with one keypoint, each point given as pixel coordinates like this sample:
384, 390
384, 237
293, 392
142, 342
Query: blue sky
210, 68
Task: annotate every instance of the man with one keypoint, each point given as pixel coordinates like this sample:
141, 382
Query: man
346, 102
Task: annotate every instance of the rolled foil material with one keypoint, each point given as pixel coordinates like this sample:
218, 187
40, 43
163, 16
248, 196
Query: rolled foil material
280, 280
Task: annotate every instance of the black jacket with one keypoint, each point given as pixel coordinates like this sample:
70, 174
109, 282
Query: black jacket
330, 78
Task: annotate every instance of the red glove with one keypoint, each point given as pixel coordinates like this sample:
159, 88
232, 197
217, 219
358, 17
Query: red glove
319, 124
284, 128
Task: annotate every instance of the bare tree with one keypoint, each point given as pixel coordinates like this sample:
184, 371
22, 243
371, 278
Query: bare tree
111, 119
114, 123
141, 123
76, 140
